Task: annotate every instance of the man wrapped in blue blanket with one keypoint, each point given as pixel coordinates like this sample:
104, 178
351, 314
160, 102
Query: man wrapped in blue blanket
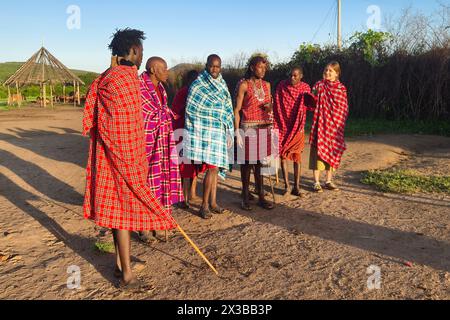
209, 128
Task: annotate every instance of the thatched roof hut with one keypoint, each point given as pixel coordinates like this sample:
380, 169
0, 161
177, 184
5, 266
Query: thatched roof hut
43, 69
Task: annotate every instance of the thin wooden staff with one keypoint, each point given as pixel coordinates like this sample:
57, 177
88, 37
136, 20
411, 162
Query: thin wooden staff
196, 248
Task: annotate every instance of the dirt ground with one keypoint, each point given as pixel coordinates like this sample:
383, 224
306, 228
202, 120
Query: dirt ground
317, 247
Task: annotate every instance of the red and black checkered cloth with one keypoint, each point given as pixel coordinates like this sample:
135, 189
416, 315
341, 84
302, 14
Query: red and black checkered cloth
330, 116
117, 194
290, 107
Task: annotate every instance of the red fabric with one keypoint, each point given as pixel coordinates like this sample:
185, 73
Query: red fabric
257, 143
327, 132
252, 110
293, 150
179, 108
117, 195
190, 171
187, 171
290, 107
160, 95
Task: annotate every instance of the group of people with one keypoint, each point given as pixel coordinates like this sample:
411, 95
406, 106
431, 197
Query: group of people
138, 168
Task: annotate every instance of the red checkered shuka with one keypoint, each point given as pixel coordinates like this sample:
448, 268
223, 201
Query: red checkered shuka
330, 116
252, 109
257, 146
117, 194
290, 111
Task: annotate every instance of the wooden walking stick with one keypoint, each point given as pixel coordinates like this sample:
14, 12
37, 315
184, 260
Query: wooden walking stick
196, 249
273, 191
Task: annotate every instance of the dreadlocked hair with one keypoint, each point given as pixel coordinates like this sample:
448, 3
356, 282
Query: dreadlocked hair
253, 62
123, 40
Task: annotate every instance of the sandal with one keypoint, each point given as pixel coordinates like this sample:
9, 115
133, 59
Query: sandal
132, 286
205, 214
219, 210
147, 237
298, 193
246, 206
265, 204
317, 188
331, 186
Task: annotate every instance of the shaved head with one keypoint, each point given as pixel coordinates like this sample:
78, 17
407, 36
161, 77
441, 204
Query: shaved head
157, 69
154, 62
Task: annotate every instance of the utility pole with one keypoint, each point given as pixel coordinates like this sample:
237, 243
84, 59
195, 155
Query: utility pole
339, 31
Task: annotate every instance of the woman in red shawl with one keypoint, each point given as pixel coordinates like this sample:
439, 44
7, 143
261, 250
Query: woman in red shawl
327, 132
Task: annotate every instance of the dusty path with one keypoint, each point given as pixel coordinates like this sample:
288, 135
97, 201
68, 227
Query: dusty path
316, 247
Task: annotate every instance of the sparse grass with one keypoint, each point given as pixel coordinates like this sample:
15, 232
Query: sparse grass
358, 127
104, 247
366, 127
4, 106
406, 181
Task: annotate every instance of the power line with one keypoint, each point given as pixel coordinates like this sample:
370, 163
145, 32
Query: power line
333, 33
333, 6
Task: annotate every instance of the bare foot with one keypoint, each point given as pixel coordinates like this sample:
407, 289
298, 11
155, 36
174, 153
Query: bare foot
287, 192
195, 200
136, 266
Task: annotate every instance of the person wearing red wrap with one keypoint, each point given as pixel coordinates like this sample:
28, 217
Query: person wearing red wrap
189, 171
253, 125
292, 100
117, 194
327, 132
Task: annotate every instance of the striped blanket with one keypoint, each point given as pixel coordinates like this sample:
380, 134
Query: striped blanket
163, 176
209, 122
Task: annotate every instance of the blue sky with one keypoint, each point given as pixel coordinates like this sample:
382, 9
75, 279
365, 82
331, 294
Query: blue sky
181, 30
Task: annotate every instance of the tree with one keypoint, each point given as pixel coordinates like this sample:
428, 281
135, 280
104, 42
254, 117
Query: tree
373, 45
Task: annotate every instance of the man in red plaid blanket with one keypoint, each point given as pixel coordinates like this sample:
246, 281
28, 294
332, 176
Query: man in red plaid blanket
292, 100
117, 194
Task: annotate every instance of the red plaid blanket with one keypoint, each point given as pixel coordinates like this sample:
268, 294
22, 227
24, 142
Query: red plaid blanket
290, 115
330, 115
117, 194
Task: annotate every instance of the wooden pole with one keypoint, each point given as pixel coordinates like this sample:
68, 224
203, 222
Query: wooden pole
74, 100
9, 96
197, 249
45, 95
339, 31
78, 94
51, 96
40, 94
272, 189
19, 97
